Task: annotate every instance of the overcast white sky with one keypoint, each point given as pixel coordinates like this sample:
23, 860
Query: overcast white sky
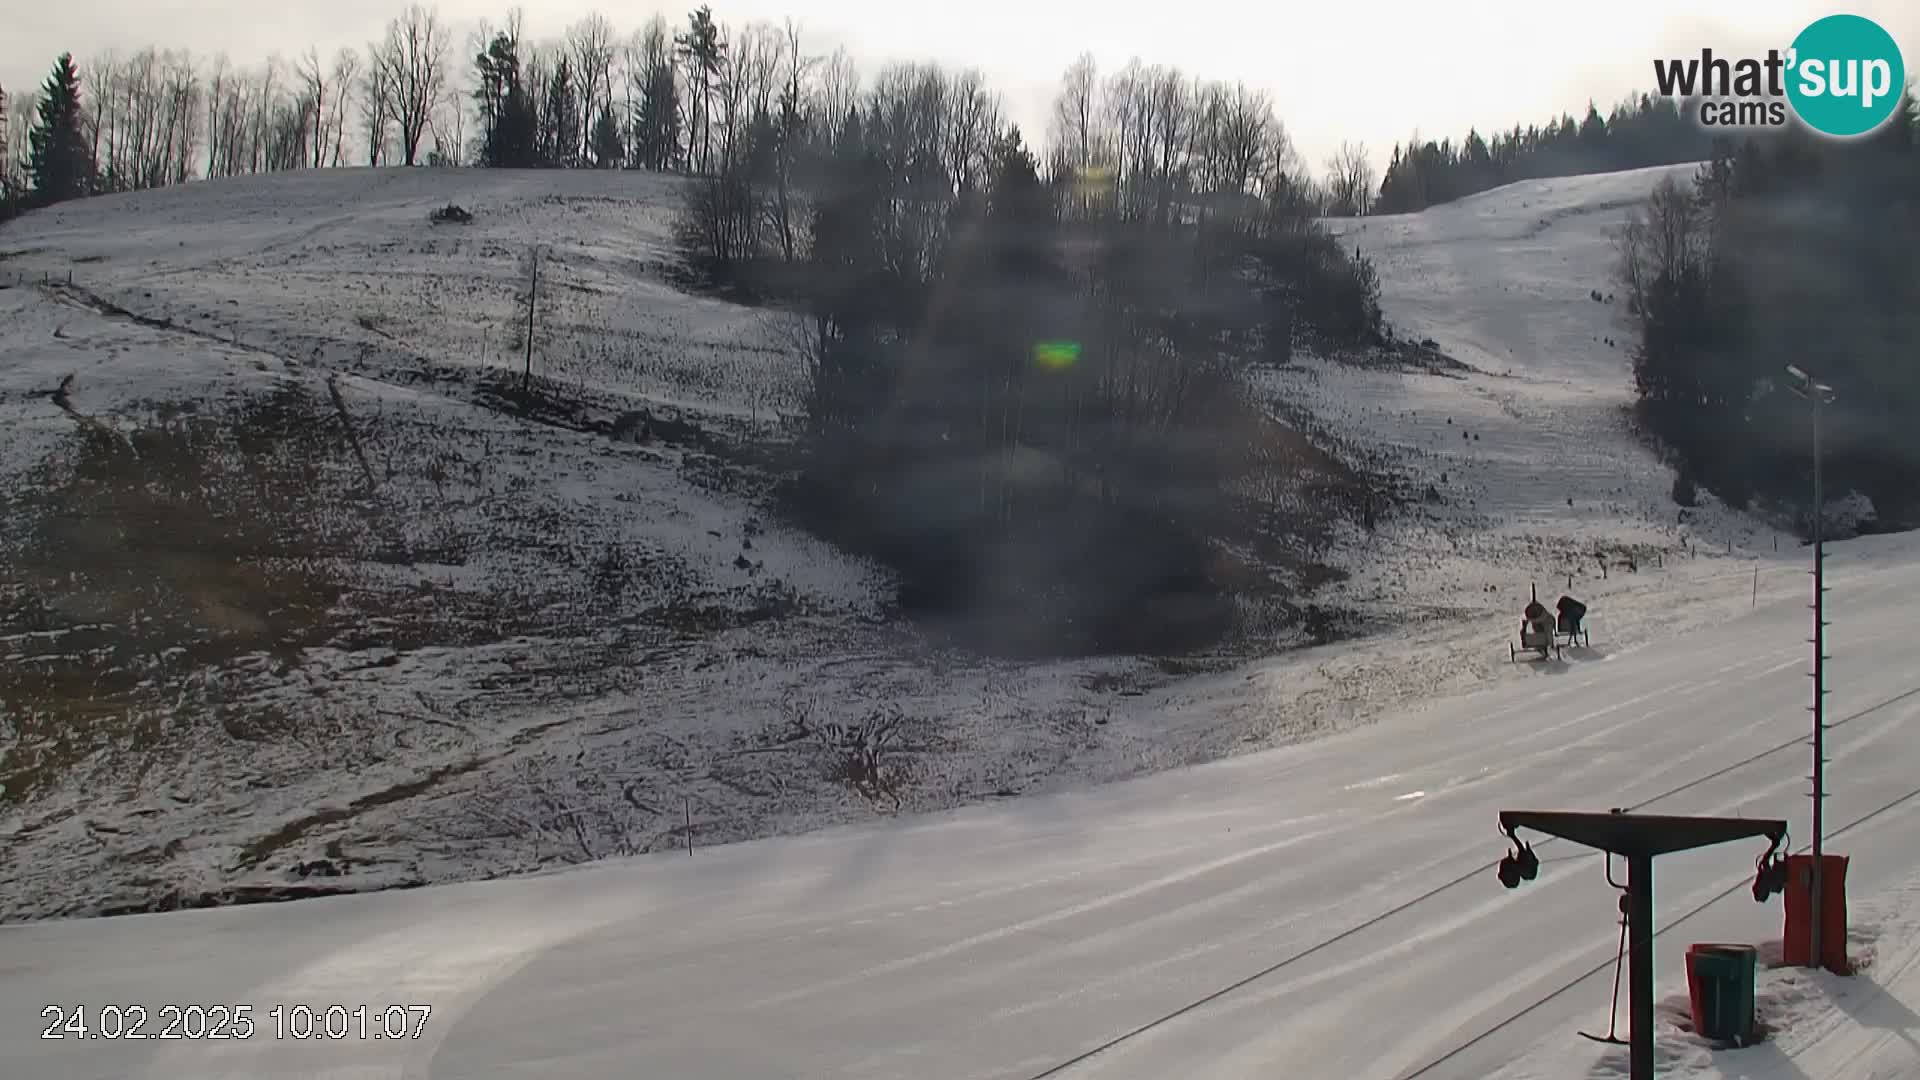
1369, 70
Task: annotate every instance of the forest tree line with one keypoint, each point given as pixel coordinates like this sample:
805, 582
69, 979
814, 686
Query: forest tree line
1785, 249
591, 97
655, 99
1637, 134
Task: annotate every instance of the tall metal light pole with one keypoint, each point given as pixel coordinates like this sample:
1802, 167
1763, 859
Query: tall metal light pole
1818, 394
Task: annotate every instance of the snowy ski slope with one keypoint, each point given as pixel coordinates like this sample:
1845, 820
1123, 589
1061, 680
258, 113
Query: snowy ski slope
1323, 910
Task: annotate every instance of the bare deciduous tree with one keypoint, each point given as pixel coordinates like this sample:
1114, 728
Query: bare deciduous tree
702, 50
1171, 118
1351, 182
262, 98
655, 102
1663, 241
183, 118
315, 84
9, 183
450, 134
974, 122
218, 87
634, 67
839, 89
377, 105
790, 133
1246, 142
1075, 109
414, 59
345, 78
240, 106
731, 89
591, 43
760, 63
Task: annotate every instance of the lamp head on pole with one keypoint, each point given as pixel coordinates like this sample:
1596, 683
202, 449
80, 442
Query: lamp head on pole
1808, 388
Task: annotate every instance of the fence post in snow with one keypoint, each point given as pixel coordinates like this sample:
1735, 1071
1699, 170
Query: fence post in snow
687, 804
1756, 587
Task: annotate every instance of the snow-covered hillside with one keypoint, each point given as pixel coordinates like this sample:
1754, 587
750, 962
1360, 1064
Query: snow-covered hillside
494, 635
1532, 467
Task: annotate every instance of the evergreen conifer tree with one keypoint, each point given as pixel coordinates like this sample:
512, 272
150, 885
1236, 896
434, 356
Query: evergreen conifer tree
59, 162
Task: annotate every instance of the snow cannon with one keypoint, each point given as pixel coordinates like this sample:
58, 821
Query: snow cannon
1536, 631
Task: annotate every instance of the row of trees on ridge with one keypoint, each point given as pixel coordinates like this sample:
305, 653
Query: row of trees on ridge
1637, 134
656, 99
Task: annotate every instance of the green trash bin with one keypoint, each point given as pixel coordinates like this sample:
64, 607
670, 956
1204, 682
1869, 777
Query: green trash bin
1722, 978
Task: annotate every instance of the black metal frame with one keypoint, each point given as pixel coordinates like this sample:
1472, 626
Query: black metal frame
1639, 838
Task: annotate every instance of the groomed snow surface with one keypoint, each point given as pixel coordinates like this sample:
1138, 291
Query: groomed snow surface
1327, 909
1292, 874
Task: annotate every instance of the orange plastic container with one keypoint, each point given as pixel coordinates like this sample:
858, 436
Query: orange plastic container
1797, 941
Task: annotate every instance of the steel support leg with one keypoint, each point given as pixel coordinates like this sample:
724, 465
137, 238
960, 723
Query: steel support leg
1640, 963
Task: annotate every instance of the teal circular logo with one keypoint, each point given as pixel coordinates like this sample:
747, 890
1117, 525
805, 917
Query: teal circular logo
1845, 75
